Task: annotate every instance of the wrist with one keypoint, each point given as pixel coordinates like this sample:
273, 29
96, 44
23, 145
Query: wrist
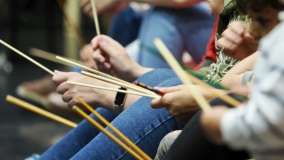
139, 71
119, 101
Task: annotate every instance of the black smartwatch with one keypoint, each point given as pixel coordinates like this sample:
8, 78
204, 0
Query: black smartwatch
119, 101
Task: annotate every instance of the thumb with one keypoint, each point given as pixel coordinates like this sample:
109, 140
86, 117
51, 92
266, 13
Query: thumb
249, 38
59, 77
166, 99
168, 89
157, 103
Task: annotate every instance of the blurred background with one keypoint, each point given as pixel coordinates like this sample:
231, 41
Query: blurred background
39, 24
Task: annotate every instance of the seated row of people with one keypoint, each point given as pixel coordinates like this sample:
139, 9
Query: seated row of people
252, 128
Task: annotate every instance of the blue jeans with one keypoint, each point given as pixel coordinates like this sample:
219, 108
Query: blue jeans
140, 123
181, 30
125, 26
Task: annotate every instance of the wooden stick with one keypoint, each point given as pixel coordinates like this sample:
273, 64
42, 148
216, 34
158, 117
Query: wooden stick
116, 131
88, 69
108, 134
49, 56
113, 89
27, 57
40, 111
95, 17
219, 93
133, 87
201, 101
139, 89
72, 25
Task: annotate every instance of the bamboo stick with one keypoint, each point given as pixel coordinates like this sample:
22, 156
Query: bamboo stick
95, 17
106, 75
27, 57
72, 25
108, 134
49, 56
39, 111
116, 131
129, 86
112, 89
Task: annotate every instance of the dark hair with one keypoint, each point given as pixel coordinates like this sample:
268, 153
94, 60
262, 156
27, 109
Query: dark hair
257, 5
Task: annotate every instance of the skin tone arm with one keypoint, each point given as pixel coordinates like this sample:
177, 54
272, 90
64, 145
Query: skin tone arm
110, 57
179, 101
113, 59
235, 75
94, 97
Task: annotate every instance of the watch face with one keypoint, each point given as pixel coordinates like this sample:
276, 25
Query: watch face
119, 99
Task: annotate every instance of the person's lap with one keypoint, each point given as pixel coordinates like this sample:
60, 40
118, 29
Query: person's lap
180, 29
142, 124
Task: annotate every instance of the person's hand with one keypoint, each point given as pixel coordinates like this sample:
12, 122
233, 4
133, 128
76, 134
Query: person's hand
105, 7
111, 58
178, 101
236, 41
86, 56
211, 123
70, 92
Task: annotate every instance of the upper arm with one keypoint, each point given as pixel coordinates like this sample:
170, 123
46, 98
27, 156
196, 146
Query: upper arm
235, 75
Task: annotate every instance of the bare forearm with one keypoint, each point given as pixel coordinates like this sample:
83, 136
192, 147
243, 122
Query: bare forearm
130, 99
235, 75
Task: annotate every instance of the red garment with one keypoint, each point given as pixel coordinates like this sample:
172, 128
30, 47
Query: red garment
210, 49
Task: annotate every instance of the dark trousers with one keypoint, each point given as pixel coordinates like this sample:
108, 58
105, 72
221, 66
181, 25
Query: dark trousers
192, 144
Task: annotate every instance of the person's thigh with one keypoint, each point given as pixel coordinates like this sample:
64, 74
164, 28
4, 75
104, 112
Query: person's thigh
125, 26
157, 76
76, 139
141, 124
180, 29
196, 30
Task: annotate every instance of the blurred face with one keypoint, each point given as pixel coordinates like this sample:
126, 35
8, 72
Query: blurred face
216, 6
263, 22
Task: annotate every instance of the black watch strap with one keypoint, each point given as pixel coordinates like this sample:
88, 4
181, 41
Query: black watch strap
119, 101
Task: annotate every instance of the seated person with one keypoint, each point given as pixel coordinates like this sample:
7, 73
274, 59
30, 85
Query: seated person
150, 125
257, 126
245, 132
